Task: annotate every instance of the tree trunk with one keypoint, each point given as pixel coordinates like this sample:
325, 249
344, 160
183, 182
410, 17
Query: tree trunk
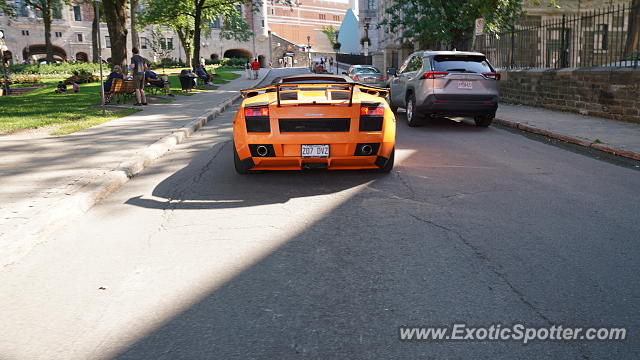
457, 39
116, 17
135, 39
633, 38
46, 18
197, 33
187, 45
94, 33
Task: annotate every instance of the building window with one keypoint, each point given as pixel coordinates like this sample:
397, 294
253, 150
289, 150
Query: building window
600, 37
58, 34
215, 24
77, 13
166, 43
79, 37
144, 43
25, 32
336, 17
57, 12
322, 16
107, 42
21, 8
371, 4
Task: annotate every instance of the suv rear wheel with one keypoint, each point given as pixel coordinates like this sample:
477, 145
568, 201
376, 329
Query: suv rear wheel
413, 118
483, 120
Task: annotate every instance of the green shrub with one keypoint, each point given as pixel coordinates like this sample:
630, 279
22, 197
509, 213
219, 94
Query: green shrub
54, 69
234, 62
21, 80
80, 77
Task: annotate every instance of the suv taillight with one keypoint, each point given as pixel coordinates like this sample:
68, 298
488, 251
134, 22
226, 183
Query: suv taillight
257, 119
434, 75
355, 77
494, 76
371, 118
383, 78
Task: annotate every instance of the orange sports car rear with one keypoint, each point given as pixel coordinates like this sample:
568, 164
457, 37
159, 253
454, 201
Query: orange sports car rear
314, 121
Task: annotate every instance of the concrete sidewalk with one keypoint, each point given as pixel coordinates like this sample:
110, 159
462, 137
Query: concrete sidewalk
614, 137
53, 178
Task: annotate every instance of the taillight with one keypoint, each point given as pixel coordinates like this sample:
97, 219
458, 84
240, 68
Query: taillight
371, 111
494, 76
434, 75
257, 119
261, 111
355, 77
383, 78
371, 118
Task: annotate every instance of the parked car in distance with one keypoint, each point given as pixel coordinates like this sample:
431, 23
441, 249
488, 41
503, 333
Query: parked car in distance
445, 83
367, 74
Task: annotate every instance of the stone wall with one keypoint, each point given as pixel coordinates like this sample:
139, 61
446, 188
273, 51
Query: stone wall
609, 93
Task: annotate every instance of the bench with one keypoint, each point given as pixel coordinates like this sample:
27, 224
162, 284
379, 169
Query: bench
122, 89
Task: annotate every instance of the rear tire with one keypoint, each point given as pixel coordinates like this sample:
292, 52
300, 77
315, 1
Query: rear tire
389, 165
241, 168
483, 120
413, 118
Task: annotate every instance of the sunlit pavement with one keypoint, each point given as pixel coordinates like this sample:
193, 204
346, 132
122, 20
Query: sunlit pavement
481, 226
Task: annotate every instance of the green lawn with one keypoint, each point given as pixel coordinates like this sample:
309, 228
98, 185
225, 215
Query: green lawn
41, 107
71, 112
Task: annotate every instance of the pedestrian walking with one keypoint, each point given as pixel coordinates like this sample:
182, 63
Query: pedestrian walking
138, 65
247, 67
255, 66
331, 62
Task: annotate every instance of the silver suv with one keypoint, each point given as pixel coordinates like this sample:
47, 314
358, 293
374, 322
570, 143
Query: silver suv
452, 83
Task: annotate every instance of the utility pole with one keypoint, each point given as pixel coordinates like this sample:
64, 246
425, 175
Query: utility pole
3, 48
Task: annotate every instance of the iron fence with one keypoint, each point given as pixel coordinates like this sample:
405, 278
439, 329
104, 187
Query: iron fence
602, 37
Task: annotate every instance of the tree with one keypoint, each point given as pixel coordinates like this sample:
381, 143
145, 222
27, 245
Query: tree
435, 21
189, 18
330, 33
95, 24
135, 39
632, 46
116, 16
47, 7
6, 6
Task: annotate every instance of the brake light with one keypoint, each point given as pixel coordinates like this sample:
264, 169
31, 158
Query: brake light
383, 78
262, 111
494, 76
371, 111
355, 77
434, 75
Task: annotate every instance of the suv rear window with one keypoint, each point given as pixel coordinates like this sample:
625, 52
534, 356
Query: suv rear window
461, 63
367, 70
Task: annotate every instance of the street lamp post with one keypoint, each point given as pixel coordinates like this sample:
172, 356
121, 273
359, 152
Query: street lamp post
100, 59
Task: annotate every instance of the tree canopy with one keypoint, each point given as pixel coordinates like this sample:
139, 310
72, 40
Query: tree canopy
436, 21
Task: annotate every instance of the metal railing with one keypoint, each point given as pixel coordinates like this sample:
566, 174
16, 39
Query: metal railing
596, 38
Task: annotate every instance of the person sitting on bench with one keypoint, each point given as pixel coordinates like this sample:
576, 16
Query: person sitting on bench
154, 80
115, 74
203, 75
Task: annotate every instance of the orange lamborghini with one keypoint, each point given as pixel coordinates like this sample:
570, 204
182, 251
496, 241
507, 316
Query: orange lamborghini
314, 122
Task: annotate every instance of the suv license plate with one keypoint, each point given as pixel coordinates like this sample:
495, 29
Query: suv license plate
465, 85
315, 151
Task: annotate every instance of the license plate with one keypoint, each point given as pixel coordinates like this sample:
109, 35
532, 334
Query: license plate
370, 80
465, 85
315, 151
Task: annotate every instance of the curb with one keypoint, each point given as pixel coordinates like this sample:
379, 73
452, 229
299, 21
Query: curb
92, 191
569, 139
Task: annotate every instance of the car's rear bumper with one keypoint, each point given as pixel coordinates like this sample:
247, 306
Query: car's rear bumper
341, 157
462, 105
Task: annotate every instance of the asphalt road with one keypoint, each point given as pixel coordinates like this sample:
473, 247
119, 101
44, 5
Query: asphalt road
479, 226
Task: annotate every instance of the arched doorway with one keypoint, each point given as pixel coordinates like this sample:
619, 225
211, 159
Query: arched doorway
238, 54
40, 49
262, 60
8, 57
214, 57
82, 57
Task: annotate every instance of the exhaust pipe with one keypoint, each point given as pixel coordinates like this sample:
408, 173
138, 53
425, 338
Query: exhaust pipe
366, 149
262, 150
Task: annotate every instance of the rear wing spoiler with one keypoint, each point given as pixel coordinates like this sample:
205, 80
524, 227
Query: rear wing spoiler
287, 87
